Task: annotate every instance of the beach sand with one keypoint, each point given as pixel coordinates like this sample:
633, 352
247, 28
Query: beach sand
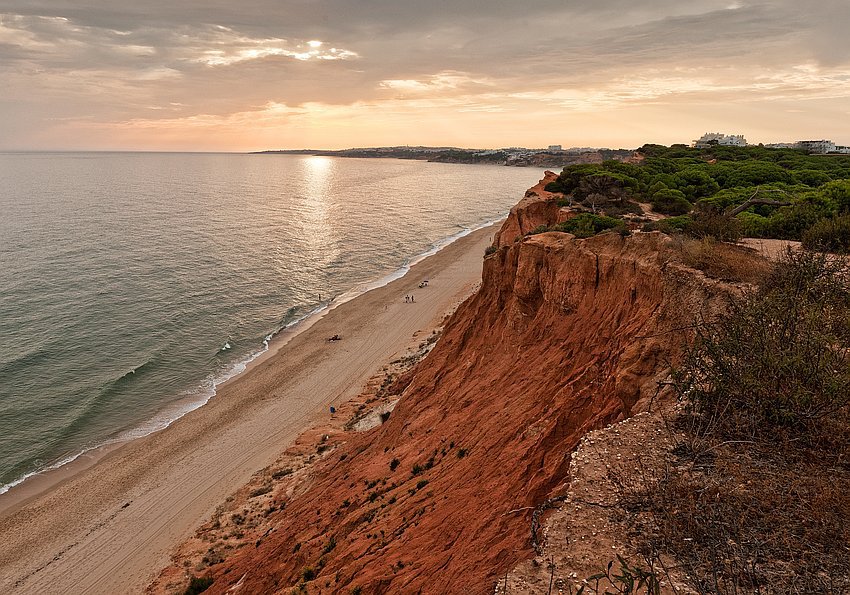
109, 527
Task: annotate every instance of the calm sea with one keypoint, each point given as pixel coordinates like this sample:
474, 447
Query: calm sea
132, 283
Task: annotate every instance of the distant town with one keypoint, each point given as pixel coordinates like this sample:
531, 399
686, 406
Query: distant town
552, 156
816, 147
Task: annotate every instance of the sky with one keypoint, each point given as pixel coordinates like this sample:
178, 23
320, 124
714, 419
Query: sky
222, 75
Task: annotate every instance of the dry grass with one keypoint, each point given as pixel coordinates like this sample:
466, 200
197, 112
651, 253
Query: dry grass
744, 522
755, 498
720, 260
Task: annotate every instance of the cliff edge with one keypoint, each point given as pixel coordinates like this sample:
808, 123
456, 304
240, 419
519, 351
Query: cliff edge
563, 337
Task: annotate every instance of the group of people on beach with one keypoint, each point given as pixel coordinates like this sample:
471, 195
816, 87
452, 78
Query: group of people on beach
409, 299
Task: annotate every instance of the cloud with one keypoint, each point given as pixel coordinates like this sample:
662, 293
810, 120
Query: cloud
123, 61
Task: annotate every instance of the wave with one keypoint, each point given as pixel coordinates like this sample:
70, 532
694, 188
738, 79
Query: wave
29, 357
199, 396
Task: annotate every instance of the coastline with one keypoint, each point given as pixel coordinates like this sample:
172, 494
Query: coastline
18, 492
85, 506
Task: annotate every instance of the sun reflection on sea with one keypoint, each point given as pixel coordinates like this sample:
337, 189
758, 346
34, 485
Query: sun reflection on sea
319, 233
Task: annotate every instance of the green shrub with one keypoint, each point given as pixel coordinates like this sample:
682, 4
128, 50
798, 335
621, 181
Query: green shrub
538, 229
490, 250
753, 225
829, 235
308, 573
554, 187
394, 464
586, 225
754, 496
670, 202
198, 584
778, 359
838, 192
811, 177
789, 223
669, 225
329, 546
694, 183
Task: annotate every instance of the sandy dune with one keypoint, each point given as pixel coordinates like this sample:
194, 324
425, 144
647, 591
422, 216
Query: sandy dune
111, 527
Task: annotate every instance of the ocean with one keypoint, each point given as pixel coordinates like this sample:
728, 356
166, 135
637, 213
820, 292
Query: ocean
131, 284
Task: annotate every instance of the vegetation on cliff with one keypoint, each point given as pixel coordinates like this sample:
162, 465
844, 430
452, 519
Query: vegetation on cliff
756, 496
766, 193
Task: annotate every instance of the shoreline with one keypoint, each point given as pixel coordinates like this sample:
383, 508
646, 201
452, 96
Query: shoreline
187, 468
30, 485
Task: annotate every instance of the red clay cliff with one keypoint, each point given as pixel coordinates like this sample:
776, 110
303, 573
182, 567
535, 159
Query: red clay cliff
564, 336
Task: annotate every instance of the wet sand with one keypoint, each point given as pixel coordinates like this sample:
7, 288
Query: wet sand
108, 524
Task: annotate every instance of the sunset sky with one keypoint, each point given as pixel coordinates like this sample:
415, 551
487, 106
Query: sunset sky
215, 75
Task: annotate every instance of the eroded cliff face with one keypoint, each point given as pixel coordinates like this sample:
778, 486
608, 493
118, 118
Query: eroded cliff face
564, 336
538, 207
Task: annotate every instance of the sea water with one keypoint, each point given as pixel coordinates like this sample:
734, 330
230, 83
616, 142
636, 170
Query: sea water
131, 284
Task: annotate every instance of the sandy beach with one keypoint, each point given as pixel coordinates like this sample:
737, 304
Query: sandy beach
109, 527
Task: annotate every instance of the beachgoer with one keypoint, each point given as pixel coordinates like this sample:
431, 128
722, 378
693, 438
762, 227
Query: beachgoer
333, 409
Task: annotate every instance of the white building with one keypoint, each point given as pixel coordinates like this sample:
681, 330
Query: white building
816, 146
554, 148
712, 139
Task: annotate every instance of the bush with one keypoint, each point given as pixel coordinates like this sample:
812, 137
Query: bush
755, 497
829, 235
490, 250
811, 177
694, 183
329, 546
778, 360
670, 202
538, 229
839, 193
198, 584
753, 225
554, 187
669, 226
713, 224
789, 223
586, 225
